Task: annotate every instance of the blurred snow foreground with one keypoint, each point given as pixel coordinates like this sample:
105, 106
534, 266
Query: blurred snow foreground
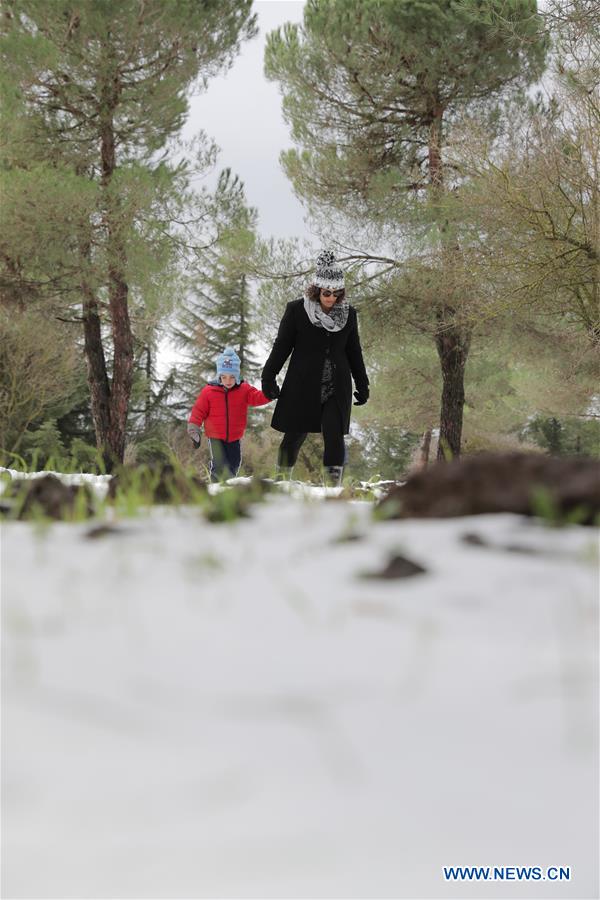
245, 709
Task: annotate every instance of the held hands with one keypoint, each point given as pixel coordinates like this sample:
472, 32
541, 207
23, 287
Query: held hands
271, 389
361, 397
195, 434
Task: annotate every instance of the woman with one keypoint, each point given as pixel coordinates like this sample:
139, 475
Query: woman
320, 330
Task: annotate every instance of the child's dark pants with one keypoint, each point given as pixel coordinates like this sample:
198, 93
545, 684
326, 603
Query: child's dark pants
225, 458
334, 453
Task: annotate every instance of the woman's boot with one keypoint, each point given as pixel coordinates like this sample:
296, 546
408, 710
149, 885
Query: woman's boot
283, 473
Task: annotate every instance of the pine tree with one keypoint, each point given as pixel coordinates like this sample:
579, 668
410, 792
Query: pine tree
39, 373
218, 309
536, 198
370, 89
104, 87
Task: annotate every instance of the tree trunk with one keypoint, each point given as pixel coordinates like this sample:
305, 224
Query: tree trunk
96, 371
118, 289
243, 328
423, 455
452, 341
97, 375
434, 150
122, 379
148, 387
453, 349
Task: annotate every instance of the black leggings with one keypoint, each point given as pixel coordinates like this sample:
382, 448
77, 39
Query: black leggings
334, 453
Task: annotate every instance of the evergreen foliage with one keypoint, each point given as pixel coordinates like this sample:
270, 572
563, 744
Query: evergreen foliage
569, 437
96, 91
217, 310
533, 199
370, 91
464, 210
39, 374
370, 88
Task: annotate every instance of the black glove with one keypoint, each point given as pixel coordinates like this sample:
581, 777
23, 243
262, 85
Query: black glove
361, 397
271, 389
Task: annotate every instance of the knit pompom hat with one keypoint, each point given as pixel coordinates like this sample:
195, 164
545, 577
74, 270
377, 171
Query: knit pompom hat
328, 273
228, 363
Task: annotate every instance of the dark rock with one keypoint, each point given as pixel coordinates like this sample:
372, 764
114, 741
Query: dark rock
48, 496
348, 537
525, 483
398, 567
100, 531
474, 540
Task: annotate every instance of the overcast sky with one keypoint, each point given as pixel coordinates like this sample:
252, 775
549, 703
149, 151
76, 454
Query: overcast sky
241, 111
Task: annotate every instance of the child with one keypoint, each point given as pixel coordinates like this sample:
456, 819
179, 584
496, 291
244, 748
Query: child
222, 406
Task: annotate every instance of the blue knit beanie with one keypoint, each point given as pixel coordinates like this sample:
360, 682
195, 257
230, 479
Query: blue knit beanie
228, 363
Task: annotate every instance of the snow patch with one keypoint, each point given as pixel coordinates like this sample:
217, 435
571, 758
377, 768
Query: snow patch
213, 710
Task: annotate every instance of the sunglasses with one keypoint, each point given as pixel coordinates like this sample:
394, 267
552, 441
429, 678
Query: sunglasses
336, 294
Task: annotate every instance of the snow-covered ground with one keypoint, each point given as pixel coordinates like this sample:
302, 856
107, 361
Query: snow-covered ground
231, 710
98, 483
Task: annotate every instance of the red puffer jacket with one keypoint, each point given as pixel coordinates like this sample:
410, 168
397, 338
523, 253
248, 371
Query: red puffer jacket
225, 412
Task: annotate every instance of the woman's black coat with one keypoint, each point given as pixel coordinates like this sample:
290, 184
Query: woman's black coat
299, 405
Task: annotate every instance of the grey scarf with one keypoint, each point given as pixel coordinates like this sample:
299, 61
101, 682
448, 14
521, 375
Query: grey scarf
334, 320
